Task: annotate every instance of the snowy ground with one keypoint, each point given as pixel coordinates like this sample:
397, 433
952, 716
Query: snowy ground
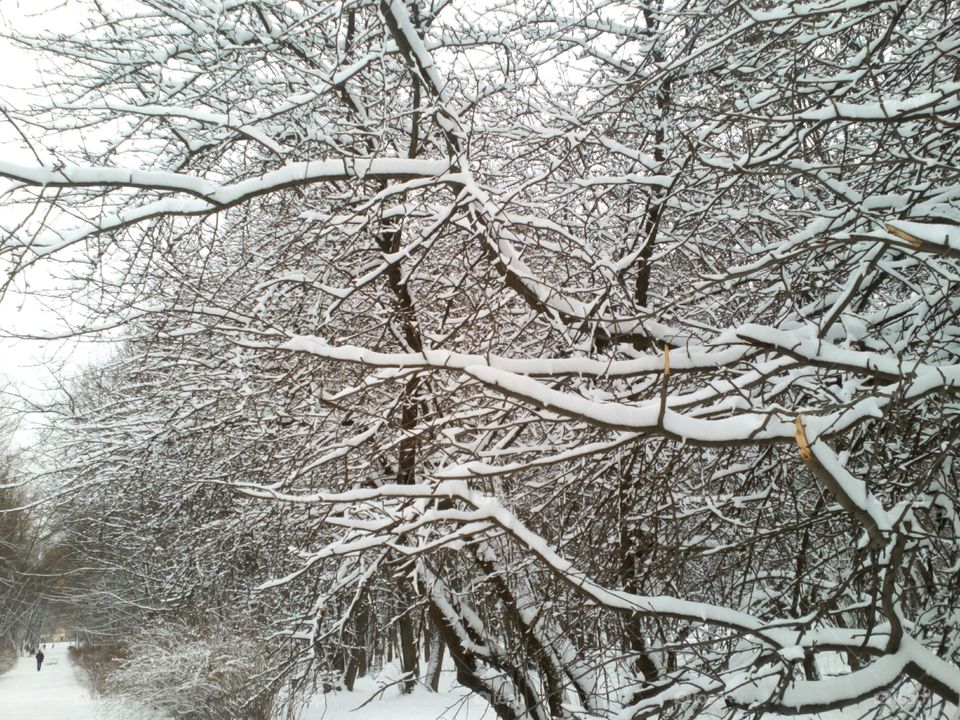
54, 693
57, 693
370, 700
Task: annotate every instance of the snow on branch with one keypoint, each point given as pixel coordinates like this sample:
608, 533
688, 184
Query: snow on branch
219, 196
204, 197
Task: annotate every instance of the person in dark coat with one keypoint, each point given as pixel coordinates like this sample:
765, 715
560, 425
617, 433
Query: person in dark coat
39, 657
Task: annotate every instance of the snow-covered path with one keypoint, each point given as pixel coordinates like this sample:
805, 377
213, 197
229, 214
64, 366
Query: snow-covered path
54, 693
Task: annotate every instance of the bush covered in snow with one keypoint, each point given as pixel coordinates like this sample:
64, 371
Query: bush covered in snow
189, 674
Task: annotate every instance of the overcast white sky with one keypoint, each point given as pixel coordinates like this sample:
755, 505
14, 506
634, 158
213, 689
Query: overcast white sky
29, 365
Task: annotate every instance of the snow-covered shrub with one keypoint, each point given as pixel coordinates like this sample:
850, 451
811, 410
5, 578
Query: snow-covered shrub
187, 673
97, 662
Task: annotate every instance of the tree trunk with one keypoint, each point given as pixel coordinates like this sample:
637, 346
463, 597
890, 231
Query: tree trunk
434, 661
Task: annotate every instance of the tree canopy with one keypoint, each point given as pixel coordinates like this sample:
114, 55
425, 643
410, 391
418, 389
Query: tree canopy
611, 347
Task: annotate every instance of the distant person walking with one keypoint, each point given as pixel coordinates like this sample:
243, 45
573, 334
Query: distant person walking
39, 657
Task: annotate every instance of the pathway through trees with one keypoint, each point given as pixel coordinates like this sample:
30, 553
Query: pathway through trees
54, 693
